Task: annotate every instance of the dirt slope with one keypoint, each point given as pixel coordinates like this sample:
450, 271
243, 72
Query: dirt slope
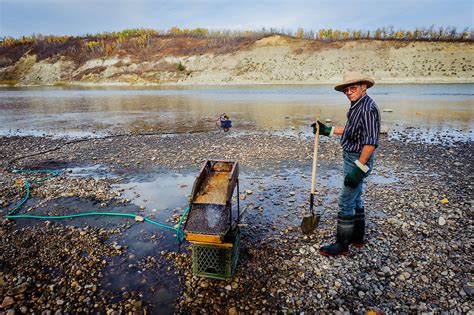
271, 60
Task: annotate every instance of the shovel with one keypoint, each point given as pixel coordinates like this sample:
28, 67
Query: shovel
309, 223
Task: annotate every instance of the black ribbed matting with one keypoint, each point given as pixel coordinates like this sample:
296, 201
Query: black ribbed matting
208, 219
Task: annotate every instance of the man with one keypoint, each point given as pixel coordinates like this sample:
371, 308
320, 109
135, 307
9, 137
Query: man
360, 137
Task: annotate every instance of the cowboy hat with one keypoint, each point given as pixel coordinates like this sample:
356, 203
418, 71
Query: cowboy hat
351, 78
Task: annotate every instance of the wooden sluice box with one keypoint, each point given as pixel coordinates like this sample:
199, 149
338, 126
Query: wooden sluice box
211, 215
212, 223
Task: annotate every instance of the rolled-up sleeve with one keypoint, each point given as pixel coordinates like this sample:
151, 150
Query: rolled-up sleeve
371, 127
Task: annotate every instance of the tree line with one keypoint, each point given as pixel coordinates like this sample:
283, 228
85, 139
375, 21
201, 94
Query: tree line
143, 35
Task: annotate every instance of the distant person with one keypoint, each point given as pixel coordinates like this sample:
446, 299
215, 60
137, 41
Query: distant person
360, 138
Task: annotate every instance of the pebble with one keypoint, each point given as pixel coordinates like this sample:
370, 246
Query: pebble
441, 221
404, 276
7, 301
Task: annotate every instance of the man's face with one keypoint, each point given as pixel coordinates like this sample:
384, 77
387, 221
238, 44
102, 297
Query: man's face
354, 92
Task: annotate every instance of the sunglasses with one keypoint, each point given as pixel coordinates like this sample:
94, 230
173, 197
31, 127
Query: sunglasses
351, 89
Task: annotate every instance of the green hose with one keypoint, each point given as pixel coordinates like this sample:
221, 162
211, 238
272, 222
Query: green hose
54, 173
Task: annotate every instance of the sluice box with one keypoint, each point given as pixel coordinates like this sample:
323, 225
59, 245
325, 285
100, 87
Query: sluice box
212, 222
211, 215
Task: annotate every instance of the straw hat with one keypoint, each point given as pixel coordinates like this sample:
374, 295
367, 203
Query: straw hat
351, 78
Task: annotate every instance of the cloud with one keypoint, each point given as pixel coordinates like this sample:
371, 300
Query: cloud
76, 17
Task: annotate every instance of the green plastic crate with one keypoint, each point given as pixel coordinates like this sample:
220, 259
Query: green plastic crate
214, 260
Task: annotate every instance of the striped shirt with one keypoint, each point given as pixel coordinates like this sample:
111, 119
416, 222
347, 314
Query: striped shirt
363, 125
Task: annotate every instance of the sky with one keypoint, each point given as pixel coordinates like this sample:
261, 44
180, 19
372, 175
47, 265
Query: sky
78, 17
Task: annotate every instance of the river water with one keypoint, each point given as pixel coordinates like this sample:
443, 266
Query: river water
77, 112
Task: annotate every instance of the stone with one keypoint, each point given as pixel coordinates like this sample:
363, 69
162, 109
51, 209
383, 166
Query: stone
7, 301
441, 221
469, 289
404, 276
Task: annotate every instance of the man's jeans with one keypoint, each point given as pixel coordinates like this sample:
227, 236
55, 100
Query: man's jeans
351, 198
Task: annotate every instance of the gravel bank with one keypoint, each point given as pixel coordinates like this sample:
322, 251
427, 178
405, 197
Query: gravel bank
418, 257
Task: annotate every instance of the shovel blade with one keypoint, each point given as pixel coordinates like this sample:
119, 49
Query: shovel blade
309, 223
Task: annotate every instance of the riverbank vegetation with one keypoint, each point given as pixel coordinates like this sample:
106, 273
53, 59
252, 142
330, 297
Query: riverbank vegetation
141, 41
326, 34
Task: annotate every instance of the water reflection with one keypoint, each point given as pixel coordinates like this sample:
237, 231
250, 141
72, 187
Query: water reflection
160, 194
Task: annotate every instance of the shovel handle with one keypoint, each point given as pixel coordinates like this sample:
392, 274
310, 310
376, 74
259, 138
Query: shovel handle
315, 159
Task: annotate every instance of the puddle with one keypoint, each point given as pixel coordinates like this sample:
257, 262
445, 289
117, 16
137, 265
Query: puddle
94, 171
158, 193
278, 200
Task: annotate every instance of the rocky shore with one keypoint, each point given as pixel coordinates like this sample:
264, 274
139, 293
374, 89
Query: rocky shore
419, 241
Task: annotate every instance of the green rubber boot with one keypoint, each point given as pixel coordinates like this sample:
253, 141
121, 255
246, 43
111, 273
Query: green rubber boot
345, 228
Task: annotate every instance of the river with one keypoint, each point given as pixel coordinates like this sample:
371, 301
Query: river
80, 111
